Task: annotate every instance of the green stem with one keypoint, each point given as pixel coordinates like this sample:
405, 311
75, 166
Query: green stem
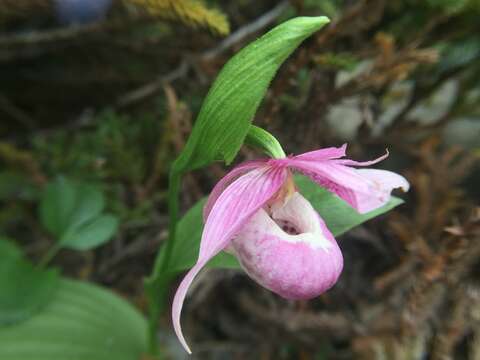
157, 301
49, 255
173, 195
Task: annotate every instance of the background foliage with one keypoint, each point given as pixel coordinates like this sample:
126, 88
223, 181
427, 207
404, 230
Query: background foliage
101, 109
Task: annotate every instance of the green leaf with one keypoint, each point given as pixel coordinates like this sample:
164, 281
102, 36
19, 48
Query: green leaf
88, 205
57, 205
73, 213
66, 204
227, 111
91, 234
24, 290
336, 213
9, 250
82, 322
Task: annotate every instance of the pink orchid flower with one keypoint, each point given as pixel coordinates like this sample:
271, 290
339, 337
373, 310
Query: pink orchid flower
280, 241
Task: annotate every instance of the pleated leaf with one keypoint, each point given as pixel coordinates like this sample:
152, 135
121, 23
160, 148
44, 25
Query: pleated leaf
82, 322
227, 111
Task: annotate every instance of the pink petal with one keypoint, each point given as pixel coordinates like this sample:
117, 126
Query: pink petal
233, 208
362, 190
331, 175
362, 163
384, 180
300, 266
227, 180
324, 154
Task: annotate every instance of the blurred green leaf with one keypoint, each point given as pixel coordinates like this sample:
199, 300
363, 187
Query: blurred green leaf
227, 111
8, 250
57, 205
88, 205
90, 234
73, 213
82, 322
24, 289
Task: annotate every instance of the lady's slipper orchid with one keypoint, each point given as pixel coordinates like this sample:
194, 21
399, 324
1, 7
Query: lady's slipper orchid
282, 243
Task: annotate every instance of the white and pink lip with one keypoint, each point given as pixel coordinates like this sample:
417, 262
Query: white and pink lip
287, 248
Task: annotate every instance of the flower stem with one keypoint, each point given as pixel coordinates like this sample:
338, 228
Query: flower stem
157, 284
173, 195
49, 255
260, 138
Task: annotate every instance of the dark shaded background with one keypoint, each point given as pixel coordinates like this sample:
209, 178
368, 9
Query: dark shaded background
112, 102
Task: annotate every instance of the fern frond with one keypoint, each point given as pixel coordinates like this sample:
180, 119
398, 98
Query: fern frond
191, 12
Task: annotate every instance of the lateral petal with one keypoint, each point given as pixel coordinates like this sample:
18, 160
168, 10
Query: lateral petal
381, 183
385, 180
324, 154
363, 189
349, 162
231, 176
232, 209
